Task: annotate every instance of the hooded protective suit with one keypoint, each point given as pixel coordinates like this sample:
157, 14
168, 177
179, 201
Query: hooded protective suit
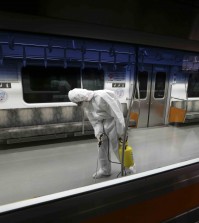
104, 111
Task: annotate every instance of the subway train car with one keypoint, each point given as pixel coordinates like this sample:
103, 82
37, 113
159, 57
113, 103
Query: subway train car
37, 71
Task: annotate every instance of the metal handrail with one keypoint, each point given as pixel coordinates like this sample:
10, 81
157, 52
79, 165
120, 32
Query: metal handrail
186, 100
128, 117
178, 98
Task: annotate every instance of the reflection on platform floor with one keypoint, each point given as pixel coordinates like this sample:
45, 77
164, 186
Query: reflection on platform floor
37, 169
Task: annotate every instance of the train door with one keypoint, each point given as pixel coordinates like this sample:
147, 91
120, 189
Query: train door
150, 101
158, 99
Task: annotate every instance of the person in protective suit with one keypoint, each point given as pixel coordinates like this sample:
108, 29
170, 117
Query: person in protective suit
104, 112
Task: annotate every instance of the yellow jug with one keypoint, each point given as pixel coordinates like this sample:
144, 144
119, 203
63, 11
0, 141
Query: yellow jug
128, 155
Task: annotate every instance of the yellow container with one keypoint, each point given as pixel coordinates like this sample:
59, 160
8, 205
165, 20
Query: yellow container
128, 155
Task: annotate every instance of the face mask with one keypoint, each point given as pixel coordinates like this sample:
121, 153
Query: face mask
85, 104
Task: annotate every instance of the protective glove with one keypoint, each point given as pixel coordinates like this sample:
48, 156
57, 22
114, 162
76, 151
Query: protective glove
122, 137
100, 139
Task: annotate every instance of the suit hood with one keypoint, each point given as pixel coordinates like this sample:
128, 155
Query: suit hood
78, 95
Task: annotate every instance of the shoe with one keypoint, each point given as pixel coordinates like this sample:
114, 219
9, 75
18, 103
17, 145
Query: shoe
100, 174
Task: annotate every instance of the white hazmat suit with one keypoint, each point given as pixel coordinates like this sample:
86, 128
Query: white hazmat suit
104, 112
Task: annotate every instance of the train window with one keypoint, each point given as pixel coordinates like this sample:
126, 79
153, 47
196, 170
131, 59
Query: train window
47, 85
193, 85
160, 85
93, 79
143, 80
